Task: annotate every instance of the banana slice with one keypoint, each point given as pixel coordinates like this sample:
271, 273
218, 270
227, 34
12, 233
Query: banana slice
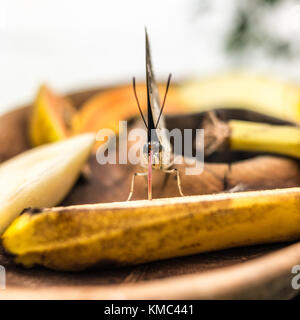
41, 176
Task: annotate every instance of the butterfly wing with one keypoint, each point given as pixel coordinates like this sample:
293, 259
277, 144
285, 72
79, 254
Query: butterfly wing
154, 106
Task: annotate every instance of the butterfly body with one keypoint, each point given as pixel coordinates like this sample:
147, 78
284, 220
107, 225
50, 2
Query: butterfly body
157, 149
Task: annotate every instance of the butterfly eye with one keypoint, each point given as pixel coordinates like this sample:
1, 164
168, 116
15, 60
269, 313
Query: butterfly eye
146, 149
156, 147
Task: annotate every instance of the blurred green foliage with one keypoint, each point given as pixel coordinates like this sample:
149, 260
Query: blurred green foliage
248, 32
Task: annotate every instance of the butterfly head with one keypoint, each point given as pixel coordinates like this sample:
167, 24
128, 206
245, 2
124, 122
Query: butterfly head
156, 150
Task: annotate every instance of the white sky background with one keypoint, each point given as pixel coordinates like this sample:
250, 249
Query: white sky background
84, 43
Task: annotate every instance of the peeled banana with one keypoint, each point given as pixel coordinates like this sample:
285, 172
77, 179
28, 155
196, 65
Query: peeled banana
78, 237
41, 176
252, 136
245, 91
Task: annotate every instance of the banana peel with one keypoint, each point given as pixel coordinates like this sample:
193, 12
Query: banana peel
50, 118
243, 90
126, 233
41, 176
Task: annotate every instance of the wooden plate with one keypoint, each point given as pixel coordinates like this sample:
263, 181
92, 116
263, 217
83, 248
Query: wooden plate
255, 272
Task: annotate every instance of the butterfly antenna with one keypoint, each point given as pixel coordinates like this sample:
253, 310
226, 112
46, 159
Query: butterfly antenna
162, 107
137, 100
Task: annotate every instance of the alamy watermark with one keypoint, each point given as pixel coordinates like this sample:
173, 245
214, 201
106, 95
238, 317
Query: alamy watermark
296, 279
135, 154
2, 278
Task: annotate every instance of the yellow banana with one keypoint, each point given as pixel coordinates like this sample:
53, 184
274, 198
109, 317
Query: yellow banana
243, 90
252, 136
41, 176
50, 117
78, 237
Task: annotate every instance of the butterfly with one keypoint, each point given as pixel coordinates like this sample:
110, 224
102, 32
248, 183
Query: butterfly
157, 150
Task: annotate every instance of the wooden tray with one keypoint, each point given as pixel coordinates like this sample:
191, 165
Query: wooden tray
255, 272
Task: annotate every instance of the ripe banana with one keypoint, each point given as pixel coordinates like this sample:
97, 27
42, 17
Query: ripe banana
245, 91
41, 176
252, 136
78, 237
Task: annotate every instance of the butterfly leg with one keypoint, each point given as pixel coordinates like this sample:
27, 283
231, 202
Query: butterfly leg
132, 182
178, 179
